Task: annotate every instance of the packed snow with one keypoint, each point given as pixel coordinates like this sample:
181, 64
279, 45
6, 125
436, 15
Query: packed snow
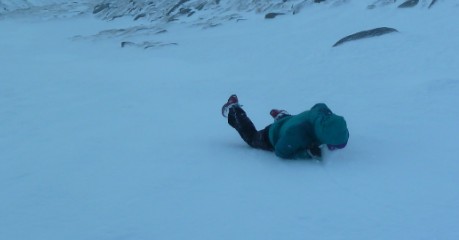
103, 142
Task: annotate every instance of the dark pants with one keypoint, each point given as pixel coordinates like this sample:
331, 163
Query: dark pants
238, 119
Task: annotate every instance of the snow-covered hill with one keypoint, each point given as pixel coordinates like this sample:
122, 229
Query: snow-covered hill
103, 142
44, 9
166, 10
172, 10
157, 17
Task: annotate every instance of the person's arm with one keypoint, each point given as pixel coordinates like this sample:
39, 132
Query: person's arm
293, 145
284, 149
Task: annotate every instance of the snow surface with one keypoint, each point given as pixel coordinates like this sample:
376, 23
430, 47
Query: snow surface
103, 142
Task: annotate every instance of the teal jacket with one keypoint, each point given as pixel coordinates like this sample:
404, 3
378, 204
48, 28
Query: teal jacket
291, 136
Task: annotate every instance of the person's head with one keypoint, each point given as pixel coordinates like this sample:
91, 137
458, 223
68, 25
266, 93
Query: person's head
332, 130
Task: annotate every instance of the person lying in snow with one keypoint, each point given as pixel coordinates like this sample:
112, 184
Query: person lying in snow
291, 136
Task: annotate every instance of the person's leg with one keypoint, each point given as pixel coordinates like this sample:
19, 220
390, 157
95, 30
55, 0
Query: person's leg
261, 140
238, 119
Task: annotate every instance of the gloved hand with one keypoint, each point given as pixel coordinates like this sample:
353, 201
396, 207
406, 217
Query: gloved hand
315, 152
312, 152
303, 155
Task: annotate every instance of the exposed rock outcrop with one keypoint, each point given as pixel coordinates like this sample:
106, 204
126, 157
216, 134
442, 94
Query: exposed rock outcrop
366, 34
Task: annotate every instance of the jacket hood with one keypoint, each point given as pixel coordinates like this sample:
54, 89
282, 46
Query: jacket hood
332, 129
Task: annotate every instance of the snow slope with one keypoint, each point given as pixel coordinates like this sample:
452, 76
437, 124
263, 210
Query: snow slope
102, 142
43, 9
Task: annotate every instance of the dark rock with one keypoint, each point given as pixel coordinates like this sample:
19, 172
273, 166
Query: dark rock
157, 45
161, 31
140, 16
273, 15
432, 3
380, 3
100, 7
409, 3
176, 6
124, 44
200, 6
366, 34
185, 11
146, 44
